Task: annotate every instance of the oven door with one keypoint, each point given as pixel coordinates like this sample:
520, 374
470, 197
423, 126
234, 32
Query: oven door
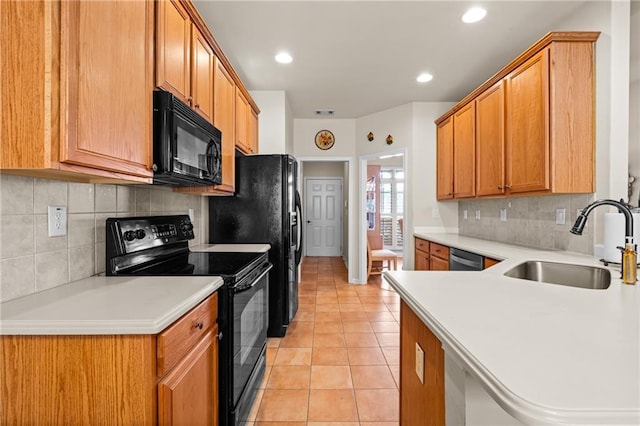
250, 313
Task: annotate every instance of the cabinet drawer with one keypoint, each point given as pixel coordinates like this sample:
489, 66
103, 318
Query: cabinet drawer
422, 245
440, 251
176, 340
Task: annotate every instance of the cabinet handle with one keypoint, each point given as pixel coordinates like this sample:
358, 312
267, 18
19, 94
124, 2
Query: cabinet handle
219, 336
197, 105
190, 99
198, 324
507, 187
499, 186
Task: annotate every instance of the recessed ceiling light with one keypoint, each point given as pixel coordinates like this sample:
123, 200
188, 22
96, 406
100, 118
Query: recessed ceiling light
474, 14
284, 58
424, 77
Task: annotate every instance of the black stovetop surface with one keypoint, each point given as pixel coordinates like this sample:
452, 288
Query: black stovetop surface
232, 266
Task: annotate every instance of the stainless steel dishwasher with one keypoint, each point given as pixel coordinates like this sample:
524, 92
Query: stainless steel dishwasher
460, 260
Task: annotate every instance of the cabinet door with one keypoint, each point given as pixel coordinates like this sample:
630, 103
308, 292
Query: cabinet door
202, 66
421, 260
242, 122
107, 112
464, 156
253, 131
528, 125
421, 401
224, 94
438, 264
444, 167
490, 141
188, 395
173, 49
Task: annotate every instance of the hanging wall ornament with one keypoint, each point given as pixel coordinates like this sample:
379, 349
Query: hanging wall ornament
370, 136
389, 140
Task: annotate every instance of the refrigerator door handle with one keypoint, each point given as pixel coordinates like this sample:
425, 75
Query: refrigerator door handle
298, 208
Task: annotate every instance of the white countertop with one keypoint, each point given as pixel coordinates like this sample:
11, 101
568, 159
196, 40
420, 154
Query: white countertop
548, 354
234, 248
106, 305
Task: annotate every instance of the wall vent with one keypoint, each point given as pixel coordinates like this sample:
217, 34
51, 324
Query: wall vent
325, 111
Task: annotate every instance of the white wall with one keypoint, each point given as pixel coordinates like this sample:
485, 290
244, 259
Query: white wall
275, 121
634, 101
305, 130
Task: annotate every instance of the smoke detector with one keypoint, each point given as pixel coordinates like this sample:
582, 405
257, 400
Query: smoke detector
325, 111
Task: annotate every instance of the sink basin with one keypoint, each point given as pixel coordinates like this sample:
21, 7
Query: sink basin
581, 276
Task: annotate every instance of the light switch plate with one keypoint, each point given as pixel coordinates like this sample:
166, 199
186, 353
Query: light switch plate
465, 213
503, 215
561, 216
478, 214
435, 214
57, 219
420, 363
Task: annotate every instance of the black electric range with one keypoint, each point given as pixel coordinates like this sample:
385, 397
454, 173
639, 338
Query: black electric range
158, 245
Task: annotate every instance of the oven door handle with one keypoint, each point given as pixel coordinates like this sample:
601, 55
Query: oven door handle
265, 269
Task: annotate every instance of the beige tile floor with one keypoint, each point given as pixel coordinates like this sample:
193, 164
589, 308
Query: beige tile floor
338, 363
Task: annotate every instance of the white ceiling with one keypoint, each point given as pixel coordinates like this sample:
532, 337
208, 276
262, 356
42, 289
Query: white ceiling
360, 57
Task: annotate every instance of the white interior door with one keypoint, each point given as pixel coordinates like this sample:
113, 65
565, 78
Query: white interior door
323, 216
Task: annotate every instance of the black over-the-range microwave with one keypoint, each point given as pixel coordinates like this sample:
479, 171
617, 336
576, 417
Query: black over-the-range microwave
186, 147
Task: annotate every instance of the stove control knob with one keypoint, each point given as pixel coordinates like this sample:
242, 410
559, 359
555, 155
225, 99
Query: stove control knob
140, 234
186, 227
129, 236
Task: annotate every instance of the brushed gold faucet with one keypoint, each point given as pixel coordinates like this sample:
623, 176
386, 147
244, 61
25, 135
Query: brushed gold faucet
629, 254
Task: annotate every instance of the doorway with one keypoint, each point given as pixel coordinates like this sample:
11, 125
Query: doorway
384, 198
323, 221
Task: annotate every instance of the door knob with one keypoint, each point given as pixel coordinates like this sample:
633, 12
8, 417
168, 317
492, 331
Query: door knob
308, 221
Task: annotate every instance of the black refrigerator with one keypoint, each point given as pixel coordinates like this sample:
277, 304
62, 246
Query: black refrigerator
265, 209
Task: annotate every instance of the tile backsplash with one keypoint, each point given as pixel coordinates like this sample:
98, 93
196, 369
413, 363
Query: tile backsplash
31, 261
531, 221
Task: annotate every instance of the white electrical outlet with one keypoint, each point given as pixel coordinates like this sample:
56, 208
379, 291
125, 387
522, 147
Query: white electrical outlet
419, 363
192, 215
435, 214
57, 219
478, 214
503, 215
561, 216
465, 214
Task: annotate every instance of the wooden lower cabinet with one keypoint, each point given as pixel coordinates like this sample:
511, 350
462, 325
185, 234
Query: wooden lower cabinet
421, 402
429, 256
114, 379
489, 262
438, 264
188, 394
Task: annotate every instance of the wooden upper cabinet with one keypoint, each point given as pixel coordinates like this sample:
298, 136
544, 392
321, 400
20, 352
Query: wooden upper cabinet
202, 68
78, 116
527, 125
253, 131
173, 49
242, 122
464, 156
444, 169
534, 125
184, 57
224, 95
109, 112
490, 159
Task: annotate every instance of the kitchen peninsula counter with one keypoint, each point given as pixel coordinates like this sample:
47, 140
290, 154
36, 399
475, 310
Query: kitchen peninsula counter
547, 354
106, 305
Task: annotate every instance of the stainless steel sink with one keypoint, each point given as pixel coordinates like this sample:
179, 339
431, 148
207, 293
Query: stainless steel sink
582, 276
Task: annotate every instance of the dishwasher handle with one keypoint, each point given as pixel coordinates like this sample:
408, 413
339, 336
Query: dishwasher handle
476, 266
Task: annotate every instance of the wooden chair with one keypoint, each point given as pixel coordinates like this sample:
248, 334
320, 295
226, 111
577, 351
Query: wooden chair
375, 253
